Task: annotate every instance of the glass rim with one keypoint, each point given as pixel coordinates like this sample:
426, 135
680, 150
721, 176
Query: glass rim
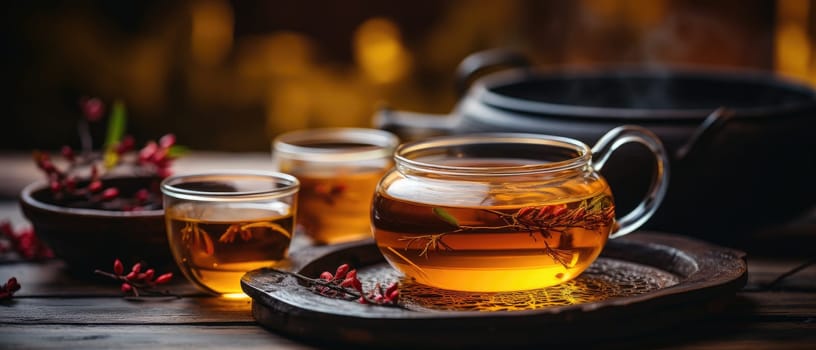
402, 155
376, 144
290, 185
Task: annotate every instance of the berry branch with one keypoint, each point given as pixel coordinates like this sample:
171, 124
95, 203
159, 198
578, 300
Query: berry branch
80, 178
136, 281
23, 241
344, 284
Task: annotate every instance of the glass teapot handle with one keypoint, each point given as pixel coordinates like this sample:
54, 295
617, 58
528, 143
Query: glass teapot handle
632, 133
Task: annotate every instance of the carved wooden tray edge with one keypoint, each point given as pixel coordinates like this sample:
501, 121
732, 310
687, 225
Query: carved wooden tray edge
710, 276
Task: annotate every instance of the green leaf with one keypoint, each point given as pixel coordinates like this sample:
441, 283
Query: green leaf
116, 130
177, 151
599, 203
116, 125
445, 216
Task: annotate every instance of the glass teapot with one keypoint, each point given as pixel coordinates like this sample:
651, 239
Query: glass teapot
505, 211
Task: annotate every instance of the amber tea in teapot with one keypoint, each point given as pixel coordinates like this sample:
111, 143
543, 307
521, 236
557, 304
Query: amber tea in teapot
502, 212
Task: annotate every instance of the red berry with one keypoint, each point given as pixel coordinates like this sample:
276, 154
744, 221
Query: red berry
544, 211
146, 153
523, 212
164, 278
148, 275
95, 186
167, 141
6, 229
47, 166
131, 276
393, 297
137, 267
142, 195
163, 172
92, 108
126, 287
159, 157
55, 186
12, 285
70, 183
326, 275
118, 268
559, 209
391, 288
126, 145
68, 153
110, 193
341, 272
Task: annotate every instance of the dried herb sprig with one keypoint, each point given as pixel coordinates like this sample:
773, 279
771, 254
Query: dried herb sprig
344, 284
137, 282
329, 193
543, 220
200, 240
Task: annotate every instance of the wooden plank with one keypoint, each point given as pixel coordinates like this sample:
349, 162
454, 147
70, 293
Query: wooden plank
142, 337
737, 337
724, 335
787, 304
192, 310
762, 271
758, 306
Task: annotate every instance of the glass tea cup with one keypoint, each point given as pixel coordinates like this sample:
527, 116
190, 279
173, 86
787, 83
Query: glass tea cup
338, 169
222, 224
504, 212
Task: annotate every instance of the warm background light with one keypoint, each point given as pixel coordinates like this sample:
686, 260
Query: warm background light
231, 75
795, 49
379, 51
211, 32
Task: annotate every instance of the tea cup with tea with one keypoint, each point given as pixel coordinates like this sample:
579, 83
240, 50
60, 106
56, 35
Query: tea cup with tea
338, 169
222, 224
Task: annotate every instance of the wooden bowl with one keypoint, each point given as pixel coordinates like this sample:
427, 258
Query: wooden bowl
88, 239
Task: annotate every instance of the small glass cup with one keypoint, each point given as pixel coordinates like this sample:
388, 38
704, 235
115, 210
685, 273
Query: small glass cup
222, 224
338, 169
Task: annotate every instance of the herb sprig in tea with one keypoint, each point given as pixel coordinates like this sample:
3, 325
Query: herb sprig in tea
196, 236
541, 220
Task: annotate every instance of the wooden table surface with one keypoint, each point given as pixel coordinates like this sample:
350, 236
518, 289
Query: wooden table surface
55, 310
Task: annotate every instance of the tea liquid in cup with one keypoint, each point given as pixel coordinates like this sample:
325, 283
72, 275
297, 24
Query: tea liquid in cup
338, 169
222, 224
504, 212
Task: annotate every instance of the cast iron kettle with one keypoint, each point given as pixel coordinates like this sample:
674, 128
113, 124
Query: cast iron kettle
742, 142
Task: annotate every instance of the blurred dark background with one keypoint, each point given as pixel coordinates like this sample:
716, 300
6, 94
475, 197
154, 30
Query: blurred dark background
230, 75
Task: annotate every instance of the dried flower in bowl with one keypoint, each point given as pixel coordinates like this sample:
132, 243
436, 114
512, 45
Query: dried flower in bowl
97, 205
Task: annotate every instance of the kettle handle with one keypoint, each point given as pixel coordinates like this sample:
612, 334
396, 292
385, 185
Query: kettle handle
410, 125
477, 64
615, 138
703, 136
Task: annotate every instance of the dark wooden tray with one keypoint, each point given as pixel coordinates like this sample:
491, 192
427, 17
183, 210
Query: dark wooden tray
640, 283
